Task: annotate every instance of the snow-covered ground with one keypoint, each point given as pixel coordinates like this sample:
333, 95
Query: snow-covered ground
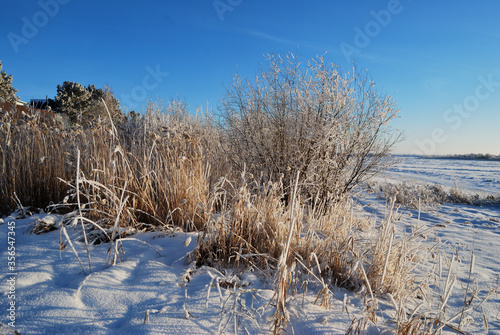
482, 176
54, 296
462, 229
159, 292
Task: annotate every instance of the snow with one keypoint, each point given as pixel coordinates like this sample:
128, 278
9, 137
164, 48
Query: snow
481, 176
147, 293
55, 296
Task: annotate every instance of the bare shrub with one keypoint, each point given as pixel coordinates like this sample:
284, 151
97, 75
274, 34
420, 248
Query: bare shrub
329, 125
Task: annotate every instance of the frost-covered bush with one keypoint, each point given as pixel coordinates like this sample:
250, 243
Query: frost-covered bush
97, 108
412, 195
308, 117
417, 196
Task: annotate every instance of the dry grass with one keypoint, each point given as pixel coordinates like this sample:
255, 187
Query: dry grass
423, 196
157, 166
155, 172
33, 153
295, 243
441, 285
167, 170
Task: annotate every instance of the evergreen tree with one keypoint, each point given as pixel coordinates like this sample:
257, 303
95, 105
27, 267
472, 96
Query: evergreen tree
7, 91
73, 99
85, 104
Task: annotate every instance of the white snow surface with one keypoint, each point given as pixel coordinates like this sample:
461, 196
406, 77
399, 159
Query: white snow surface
149, 293
54, 296
474, 175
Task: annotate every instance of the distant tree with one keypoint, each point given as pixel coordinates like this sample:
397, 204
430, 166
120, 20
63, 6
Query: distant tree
7, 91
73, 99
84, 104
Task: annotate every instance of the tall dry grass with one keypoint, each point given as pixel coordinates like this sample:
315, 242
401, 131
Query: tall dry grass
33, 154
296, 242
153, 161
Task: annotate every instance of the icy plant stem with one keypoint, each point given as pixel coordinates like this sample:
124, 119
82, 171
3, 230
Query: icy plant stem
387, 258
292, 219
63, 229
448, 288
471, 269
208, 291
117, 221
280, 316
80, 216
368, 286
110, 118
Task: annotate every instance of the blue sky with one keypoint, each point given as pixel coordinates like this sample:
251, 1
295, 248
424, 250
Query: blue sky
439, 60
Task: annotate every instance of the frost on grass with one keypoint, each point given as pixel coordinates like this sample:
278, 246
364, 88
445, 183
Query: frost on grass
417, 195
166, 224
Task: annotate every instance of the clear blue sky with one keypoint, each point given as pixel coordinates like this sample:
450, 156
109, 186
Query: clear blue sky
440, 60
